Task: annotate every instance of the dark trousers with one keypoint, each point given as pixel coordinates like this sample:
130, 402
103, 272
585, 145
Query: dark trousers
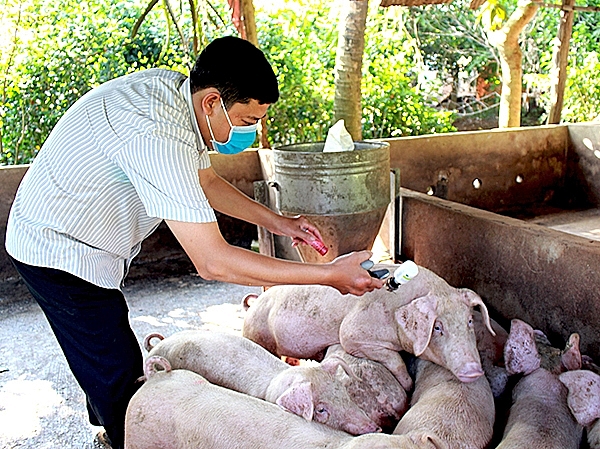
91, 325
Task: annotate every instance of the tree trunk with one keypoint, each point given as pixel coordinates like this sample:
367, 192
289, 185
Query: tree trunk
560, 58
506, 41
348, 65
252, 36
249, 21
244, 20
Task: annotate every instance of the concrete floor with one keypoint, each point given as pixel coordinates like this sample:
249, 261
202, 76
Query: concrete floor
41, 406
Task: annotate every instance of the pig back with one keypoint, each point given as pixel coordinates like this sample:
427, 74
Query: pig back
297, 320
181, 410
460, 414
223, 359
303, 320
539, 416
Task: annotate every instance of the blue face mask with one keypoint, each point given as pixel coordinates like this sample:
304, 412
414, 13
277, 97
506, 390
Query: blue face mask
240, 137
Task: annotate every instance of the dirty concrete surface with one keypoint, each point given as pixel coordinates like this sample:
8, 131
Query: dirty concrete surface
41, 405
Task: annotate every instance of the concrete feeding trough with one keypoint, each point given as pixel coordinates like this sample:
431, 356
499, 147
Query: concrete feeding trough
515, 216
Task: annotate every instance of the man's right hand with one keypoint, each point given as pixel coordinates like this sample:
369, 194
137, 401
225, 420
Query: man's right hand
350, 277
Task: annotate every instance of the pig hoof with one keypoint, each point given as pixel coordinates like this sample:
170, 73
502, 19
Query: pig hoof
102, 441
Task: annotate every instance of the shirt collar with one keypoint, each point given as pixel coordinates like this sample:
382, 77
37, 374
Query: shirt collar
187, 95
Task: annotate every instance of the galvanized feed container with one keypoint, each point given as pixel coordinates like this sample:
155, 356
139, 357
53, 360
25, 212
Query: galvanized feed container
345, 194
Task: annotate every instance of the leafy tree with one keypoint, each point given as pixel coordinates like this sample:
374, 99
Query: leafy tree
348, 65
64, 49
393, 104
52, 54
582, 90
301, 45
505, 36
451, 39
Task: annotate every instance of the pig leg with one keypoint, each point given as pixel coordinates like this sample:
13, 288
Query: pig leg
593, 435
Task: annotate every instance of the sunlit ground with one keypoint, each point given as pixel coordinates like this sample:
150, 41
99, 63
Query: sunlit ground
222, 317
24, 402
41, 405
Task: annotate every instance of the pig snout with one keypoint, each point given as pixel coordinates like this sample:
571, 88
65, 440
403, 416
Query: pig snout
469, 372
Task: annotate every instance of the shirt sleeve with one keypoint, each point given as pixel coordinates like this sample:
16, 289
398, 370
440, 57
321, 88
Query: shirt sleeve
163, 167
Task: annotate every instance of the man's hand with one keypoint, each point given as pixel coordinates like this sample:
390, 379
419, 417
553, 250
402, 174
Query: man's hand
299, 228
351, 277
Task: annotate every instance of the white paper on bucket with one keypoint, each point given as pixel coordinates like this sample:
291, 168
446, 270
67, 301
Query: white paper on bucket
338, 138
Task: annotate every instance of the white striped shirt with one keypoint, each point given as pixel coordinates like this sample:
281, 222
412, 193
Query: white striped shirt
123, 158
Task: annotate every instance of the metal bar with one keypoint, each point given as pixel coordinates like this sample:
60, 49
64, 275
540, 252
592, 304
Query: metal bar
266, 244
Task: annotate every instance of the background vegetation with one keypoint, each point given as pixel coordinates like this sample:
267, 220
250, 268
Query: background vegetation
416, 62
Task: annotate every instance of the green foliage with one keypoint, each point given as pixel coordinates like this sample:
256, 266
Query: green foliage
450, 38
392, 105
53, 53
301, 46
582, 92
582, 89
59, 51
492, 15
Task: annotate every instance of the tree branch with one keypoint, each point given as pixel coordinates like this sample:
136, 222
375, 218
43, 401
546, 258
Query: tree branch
142, 17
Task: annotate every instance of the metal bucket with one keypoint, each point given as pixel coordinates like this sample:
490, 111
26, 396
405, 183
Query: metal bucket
345, 194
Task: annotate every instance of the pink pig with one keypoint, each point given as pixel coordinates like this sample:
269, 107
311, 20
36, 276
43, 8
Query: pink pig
539, 417
425, 317
180, 409
235, 362
460, 414
584, 401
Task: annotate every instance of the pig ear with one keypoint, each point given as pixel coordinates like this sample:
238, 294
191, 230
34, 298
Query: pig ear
584, 395
473, 299
427, 439
416, 319
520, 352
331, 363
571, 356
298, 399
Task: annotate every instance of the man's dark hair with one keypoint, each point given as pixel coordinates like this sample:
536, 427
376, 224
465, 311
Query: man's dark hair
237, 69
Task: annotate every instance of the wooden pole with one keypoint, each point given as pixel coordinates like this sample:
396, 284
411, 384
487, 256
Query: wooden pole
249, 25
348, 65
249, 21
560, 59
